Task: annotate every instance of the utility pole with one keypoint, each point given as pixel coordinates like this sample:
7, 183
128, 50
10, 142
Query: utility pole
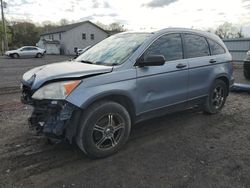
5, 41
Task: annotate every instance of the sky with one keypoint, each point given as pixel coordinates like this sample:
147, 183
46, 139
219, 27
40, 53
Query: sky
135, 14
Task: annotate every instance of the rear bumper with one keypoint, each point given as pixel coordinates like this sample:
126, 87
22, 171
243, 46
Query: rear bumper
231, 83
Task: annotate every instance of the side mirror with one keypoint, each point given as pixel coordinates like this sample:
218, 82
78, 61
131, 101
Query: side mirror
153, 60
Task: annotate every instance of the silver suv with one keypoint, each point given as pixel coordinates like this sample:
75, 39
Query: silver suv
127, 78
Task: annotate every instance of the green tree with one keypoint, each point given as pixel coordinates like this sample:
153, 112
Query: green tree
24, 33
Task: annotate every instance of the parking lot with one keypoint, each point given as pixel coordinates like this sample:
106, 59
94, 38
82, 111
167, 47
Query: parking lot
185, 149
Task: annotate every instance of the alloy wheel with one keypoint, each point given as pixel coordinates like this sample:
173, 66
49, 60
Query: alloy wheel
108, 131
218, 97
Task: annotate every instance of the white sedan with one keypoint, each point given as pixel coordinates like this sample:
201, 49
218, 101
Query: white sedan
26, 51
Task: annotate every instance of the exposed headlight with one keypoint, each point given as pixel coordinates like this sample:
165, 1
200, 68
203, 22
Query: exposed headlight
57, 90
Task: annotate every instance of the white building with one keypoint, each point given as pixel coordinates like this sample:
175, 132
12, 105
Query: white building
51, 46
69, 37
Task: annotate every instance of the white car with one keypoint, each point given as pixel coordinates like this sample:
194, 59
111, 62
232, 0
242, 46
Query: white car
81, 51
26, 51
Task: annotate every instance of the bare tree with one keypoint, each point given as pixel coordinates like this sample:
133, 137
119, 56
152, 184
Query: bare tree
114, 27
228, 30
63, 22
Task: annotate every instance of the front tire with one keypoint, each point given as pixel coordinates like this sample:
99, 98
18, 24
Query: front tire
216, 98
104, 129
15, 55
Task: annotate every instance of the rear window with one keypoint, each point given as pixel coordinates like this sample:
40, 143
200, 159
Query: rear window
215, 48
196, 46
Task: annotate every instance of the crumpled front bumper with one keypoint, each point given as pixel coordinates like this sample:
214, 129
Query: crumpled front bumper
51, 117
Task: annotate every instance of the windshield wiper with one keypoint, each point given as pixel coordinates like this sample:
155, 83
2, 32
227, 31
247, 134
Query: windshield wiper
85, 61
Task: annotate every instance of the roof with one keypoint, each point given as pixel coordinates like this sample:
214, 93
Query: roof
64, 28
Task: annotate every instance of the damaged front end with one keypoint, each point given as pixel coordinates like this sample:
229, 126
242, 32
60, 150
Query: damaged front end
50, 117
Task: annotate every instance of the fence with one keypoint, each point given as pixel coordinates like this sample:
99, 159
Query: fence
238, 48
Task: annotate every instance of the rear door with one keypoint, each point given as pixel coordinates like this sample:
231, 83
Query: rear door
33, 51
166, 85
200, 65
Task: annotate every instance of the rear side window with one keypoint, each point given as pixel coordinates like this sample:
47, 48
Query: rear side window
196, 46
215, 48
31, 48
170, 46
25, 49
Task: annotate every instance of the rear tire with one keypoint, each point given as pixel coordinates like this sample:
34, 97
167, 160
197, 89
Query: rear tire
104, 129
216, 98
39, 55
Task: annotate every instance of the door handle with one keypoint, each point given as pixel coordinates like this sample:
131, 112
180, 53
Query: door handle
212, 61
180, 66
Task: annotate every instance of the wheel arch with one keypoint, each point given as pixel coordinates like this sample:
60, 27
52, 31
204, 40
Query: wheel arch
122, 99
225, 79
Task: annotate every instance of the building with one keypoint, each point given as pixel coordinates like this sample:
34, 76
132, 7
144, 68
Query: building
238, 48
51, 46
64, 39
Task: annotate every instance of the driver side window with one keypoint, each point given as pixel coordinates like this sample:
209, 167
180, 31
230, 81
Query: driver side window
170, 46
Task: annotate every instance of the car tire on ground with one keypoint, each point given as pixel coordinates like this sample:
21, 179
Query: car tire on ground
104, 129
216, 98
39, 55
246, 70
15, 55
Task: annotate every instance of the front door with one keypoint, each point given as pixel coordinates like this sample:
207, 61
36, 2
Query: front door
165, 85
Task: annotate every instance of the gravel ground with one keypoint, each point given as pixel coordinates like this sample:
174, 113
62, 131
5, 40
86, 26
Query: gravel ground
185, 149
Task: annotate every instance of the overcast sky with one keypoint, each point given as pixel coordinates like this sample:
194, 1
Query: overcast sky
135, 14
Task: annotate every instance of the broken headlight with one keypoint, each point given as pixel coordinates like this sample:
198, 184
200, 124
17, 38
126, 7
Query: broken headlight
57, 90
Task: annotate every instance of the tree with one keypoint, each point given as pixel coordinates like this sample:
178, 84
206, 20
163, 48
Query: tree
101, 25
228, 30
63, 22
240, 33
24, 33
116, 27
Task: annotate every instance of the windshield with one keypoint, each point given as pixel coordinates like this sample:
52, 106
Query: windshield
113, 50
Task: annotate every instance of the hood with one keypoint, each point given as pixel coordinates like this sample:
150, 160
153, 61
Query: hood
63, 70
10, 51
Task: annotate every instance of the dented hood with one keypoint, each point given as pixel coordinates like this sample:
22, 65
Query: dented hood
39, 75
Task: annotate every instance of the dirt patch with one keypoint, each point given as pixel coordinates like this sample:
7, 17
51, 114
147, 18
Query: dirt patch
186, 149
